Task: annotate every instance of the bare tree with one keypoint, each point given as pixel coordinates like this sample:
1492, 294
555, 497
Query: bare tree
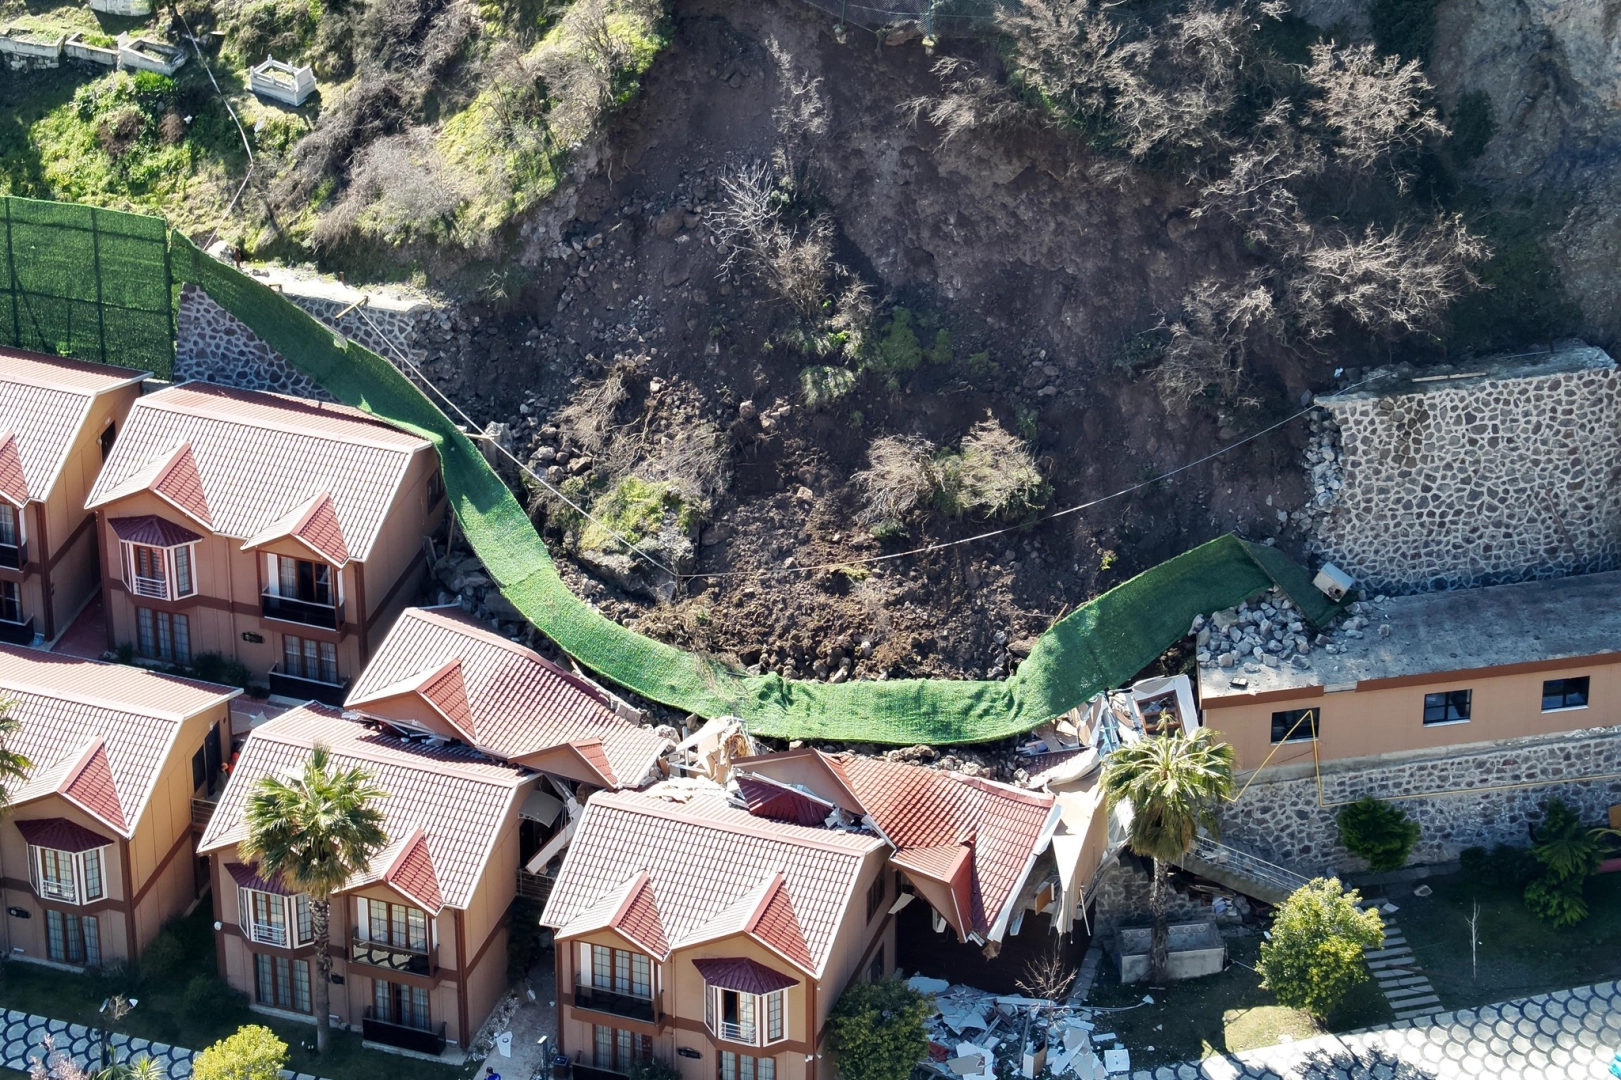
971, 99
1388, 281
399, 190
801, 115
792, 258
1048, 976
900, 479
1257, 188
1208, 341
1375, 105
1070, 53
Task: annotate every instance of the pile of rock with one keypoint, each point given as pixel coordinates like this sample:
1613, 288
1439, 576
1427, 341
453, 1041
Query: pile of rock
1270, 632
1325, 470
468, 586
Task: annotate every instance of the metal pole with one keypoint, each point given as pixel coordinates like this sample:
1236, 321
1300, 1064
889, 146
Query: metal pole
101, 312
11, 277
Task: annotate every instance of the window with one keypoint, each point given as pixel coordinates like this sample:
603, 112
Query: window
301, 579
1447, 707
875, 896
739, 1017
162, 573
282, 982
8, 526
1564, 694
394, 1003
160, 635
72, 877
435, 489
109, 435
11, 602
272, 919
616, 1049
303, 658
73, 939
395, 925
1294, 725
620, 971
743, 1067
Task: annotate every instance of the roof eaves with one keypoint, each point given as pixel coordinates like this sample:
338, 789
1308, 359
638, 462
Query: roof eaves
1000, 923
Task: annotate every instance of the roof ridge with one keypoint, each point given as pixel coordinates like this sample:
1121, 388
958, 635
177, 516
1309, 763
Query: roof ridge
638, 803
16, 686
286, 739
492, 639
162, 402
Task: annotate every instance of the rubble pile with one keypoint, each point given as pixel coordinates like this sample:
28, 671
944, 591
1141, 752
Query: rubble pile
975, 1035
1270, 632
1325, 471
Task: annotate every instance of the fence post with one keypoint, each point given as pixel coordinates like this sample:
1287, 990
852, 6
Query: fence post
11, 282
174, 303
101, 309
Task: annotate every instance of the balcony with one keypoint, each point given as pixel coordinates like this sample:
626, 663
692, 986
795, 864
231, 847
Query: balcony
303, 612
302, 689
14, 556
417, 1040
738, 1033
626, 1005
267, 934
202, 811
17, 633
155, 588
58, 890
392, 958
536, 887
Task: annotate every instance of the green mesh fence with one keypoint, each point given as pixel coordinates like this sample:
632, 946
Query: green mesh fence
1100, 645
87, 283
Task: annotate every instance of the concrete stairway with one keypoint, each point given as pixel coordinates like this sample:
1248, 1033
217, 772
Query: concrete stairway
1241, 871
1395, 968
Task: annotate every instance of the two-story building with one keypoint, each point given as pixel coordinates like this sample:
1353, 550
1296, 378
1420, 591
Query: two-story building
691, 930
441, 673
283, 533
1430, 673
419, 936
97, 852
58, 422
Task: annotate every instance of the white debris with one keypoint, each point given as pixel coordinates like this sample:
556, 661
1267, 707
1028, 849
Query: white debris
925, 985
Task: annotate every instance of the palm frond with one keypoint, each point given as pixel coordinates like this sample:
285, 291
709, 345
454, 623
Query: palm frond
1174, 784
315, 830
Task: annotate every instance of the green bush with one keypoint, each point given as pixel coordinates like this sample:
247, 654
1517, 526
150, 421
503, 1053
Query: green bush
940, 351
206, 994
899, 348
993, 475
1569, 854
215, 668
822, 385
1314, 956
653, 1068
877, 1030
1503, 865
253, 1053
1378, 832
164, 955
1555, 902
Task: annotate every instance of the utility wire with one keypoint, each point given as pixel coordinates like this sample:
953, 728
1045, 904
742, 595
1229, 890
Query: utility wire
868, 559
536, 477
248, 149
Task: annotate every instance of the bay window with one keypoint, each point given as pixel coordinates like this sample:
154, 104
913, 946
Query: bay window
71, 877
161, 573
738, 1016
268, 918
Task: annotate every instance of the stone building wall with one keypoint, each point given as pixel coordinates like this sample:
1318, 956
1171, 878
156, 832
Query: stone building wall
1505, 477
1122, 896
1279, 819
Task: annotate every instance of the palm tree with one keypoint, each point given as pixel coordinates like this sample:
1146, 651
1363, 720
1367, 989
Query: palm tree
1173, 784
313, 833
13, 766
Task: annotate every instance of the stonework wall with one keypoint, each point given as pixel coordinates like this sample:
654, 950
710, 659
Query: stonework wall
1122, 896
1504, 478
1280, 819
213, 345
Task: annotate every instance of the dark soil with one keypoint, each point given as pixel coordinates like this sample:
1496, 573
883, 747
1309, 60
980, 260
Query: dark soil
1012, 242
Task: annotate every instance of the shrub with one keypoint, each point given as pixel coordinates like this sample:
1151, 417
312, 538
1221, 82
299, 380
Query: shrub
163, 956
1569, 854
215, 668
900, 480
823, 384
899, 348
204, 995
877, 1030
653, 1068
1378, 832
253, 1053
1314, 956
994, 475
1503, 865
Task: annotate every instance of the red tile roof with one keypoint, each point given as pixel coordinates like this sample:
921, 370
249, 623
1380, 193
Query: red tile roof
314, 524
179, 482
89, 783
13, 485
67, 707
973, 835
413, 874
262, 457
741, 974
518, 704
713, 869
458, 799
152, 531
45, 401
61, 834
247, 876
768, 798
632, 911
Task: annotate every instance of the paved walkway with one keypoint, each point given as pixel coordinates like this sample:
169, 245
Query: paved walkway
23, 1035
1395, 968
1565, 1035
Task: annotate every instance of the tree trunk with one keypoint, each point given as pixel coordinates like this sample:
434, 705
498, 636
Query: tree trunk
1159, 949
321, 925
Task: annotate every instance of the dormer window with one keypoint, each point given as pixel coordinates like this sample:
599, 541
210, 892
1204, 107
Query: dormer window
159, 558
744, 1001
68, 877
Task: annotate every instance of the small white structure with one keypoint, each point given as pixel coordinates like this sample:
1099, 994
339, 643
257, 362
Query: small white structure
282, 82
25, 49
145, 54
1196, 949
77, 48
122, 7
1333, 582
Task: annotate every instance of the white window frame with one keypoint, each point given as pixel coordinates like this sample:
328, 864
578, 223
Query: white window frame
19, 520
273, 576
77, 891
755, 1030
148, 587
296, 929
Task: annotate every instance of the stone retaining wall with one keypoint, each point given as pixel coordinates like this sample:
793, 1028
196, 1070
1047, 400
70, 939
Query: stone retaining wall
1506, 477
1279, 819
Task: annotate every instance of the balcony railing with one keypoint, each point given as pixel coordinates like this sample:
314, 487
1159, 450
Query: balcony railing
268, 934
535, 886
419, 1040
202, 811
14, 556
393, 958
303, 612
17, 633
742, 1033
296, 686
627, 1005
155, 587
58, 890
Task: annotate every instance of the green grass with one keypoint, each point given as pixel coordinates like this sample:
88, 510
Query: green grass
160, 1015
1218, 1014
53, 17
1519, 955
